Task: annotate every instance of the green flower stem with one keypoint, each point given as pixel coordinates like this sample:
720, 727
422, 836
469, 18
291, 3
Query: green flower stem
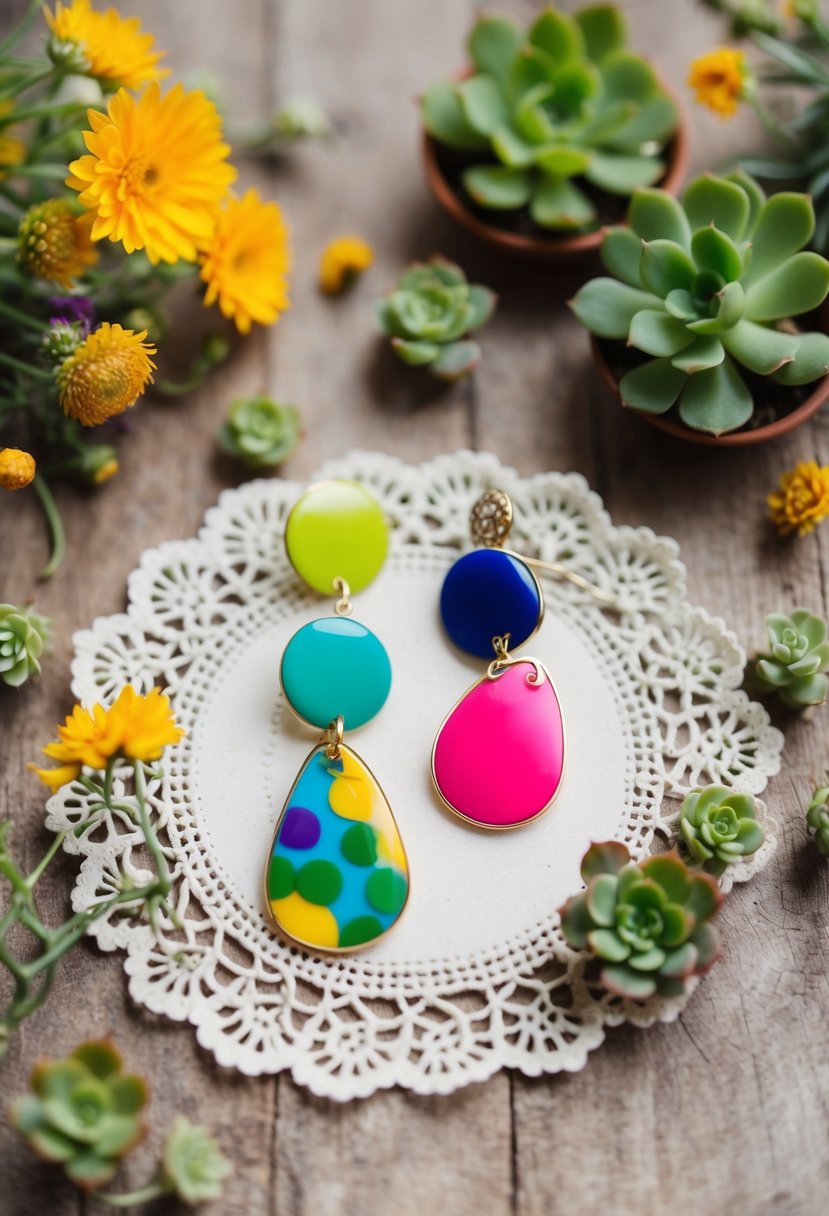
9, 310
26, 22
145, 1194
54, 523
46, 860
41, 172
27, 369
50, 73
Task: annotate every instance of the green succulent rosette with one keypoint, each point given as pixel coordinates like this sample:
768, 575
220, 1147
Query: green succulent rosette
817, 819
551, 115
795, 665
24, 635
260, 432
719, 826
84, 1113
430, 314
193, 1167
706, 289
647, 923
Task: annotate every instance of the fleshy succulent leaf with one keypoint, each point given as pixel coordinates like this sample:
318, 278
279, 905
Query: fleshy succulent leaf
716, 400
607, 307
500, 187
606, 857
811, 360
456, 359
576, 921
654, 215
682, 962
493, 45
558, 35
665, 267
621, 253
715, 200
620, 174
754, 193
759, 348
654, 121
658, 333
601, 899
445, 120
558, 203
562, 160
606, 944
481, 303
703, 352
799, 285
620, 980
603, 29
652, 387
511, 148
714, 250
484, 104
785, 224
628, 76
415, 353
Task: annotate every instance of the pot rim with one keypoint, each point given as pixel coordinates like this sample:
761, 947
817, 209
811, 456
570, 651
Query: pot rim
731, 439
678, 150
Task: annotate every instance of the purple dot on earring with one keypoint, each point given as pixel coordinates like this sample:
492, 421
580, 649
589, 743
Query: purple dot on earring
301, 829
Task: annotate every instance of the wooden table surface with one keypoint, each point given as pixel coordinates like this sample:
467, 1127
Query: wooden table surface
724, 1111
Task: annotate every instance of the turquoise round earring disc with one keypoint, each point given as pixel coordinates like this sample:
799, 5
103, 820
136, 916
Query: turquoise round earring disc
332, 667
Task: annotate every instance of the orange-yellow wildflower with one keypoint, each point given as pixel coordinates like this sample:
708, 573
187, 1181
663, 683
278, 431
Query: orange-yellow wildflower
112, 48
246, 266
54, 243
719, 80
106, 374
802, 500
12, 149
156, 172
342, 261
17, 468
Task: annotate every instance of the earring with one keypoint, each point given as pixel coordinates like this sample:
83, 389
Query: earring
337, 877
492, 601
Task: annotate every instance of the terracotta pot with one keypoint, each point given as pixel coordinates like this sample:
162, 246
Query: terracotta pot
553, 249
733, 439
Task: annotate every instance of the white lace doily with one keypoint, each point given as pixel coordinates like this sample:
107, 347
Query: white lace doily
476, 976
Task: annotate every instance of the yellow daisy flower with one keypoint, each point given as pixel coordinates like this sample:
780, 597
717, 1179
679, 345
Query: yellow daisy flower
342, 261
156, 172
56, 244
719, 80
112, 48
106, 374
12, 150
246, 266
17, 468
137, 726
802, 500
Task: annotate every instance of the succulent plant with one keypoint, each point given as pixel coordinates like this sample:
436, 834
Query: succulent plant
430, 312
562, 103
84, 1112
719, 826
706, 286
798, 658
24, 635
817, 819
647, 922
260, 431
193, 1166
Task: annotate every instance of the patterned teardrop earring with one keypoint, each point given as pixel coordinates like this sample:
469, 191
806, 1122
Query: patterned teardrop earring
337, 876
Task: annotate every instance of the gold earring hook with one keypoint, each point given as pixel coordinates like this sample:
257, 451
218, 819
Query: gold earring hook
343, 606
490, 523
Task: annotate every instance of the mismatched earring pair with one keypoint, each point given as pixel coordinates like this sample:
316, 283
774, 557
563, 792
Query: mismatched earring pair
337, 877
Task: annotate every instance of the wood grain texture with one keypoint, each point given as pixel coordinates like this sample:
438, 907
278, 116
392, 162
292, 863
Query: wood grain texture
724, 1111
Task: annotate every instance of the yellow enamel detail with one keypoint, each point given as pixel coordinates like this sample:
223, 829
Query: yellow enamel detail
393, 853
306, 922
351, 796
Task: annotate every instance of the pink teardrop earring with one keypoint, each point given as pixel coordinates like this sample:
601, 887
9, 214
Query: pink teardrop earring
491, 601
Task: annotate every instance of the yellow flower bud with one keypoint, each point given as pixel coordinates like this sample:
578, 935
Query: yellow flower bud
17, 468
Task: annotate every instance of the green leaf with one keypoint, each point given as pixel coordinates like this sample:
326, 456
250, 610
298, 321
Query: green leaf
601, 899
562, 160
811, 360
713, 250
603, 28
704, 897
809, 691
558, 203
416, 354
456, 360
609, 117
750, 835
665, 266
621, 253
654, 122
654, 215
51, 1144
619, 979
557, 35
607, 307
755, 195
493, 44
677, 924
681, 962
798, 286
628, 76
484, 104
759, 348
511, 148
606, 944
498, 186
653, 387
648, 960
716, 400
658, 333
129, 1094
481, 302
445, 120
785, 224
670, 873
575, 85
620, 174
530, 68
100, 1057
605, 857
530, 119
90, 1171
729, 302
714, 200
707, 941
576, 922
680, 303
703, 352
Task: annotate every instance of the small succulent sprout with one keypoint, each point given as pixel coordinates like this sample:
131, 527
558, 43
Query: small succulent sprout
24, 635
706, 287
84, 1113
646, 922
719, 826
795, 664
552, 114
193, 1166
817, 819
430, 314
260, 432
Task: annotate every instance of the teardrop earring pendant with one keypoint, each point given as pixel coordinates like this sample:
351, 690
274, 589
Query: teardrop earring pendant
337, 876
